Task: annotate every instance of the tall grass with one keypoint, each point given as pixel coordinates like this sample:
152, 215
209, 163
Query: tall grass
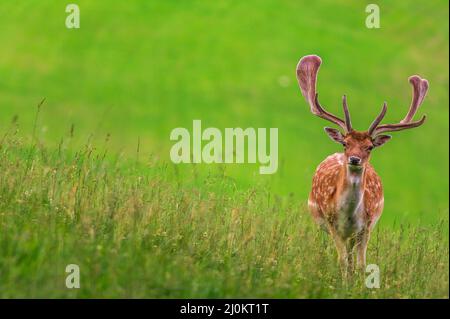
136, 230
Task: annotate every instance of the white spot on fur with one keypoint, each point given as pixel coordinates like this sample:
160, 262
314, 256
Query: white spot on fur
312, 203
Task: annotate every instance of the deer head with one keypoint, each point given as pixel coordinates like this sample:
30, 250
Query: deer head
357, 145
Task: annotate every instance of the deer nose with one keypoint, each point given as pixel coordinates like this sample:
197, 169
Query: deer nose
354, 160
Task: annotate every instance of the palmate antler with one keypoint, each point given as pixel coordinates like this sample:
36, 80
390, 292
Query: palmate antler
307, 70
420, 88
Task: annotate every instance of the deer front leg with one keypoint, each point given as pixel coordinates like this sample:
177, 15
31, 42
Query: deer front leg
341, 248
363, 240
351, 242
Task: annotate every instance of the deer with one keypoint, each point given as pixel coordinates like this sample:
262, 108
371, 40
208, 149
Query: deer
346, 198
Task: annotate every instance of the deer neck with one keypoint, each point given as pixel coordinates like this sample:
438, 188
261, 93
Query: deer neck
350, 191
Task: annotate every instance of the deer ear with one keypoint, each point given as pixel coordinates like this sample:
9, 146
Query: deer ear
334, 134
380, 140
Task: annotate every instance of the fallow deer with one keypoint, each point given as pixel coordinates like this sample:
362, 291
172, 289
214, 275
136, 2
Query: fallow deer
346, 198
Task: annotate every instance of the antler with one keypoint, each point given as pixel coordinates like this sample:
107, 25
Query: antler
420, 88
307, 70
378, 119
348, 122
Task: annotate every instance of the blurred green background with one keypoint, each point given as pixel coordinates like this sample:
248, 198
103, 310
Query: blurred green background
138, 69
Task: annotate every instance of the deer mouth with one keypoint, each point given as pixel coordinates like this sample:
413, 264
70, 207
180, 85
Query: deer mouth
355, 167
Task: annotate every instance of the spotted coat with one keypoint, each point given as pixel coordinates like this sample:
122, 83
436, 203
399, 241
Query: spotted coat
328, 183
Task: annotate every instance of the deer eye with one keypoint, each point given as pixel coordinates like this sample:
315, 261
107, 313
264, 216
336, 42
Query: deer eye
369, 148
344, 144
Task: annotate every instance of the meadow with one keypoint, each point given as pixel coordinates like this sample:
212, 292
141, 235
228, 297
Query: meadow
135, 231
87, 178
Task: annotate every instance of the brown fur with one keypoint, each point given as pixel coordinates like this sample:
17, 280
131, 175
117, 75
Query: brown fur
329, 177
348, 201
347, 196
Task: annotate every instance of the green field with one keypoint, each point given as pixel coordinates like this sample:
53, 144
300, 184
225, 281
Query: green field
88, 179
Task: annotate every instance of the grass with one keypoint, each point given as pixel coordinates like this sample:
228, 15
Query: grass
137, 230
89, 180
